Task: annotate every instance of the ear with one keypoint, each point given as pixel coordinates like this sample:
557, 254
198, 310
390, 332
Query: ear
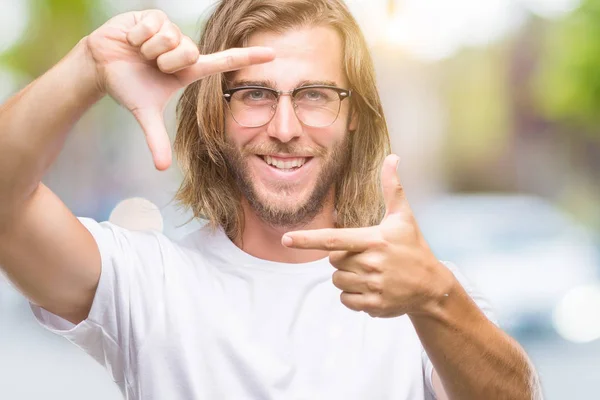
353, 125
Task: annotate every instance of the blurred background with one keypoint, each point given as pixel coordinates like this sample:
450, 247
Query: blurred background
494, 109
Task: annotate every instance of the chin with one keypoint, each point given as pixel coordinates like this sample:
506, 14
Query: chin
283, 201
290, 210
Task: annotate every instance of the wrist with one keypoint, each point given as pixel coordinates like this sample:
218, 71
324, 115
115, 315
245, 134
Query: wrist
443, 288
82, 66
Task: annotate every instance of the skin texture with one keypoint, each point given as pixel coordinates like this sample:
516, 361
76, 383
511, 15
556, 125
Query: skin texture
141, 59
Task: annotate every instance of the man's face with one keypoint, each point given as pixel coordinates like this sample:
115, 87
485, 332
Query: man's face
306, 159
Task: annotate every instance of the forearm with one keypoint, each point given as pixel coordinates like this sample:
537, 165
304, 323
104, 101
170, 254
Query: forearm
472, 356
35, 122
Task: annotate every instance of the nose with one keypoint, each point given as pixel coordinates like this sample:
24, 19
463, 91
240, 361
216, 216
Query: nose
285, 125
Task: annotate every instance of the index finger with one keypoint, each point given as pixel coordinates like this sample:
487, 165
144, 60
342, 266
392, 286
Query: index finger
347, 239
224, 61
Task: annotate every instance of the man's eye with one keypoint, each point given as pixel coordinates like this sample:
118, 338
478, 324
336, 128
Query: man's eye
256, 94
314, 95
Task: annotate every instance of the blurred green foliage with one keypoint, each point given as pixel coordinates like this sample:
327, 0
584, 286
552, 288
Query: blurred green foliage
479, 116
568, 81
54, 27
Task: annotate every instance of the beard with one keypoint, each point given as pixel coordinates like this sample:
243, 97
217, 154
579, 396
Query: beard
272, 211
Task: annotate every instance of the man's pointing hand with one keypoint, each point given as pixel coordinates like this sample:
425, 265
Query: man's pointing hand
386, 270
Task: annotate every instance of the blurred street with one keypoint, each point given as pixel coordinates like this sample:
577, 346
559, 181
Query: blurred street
567, 370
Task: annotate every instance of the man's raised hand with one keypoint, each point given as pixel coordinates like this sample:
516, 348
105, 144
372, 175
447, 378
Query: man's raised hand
386, 270
142, 59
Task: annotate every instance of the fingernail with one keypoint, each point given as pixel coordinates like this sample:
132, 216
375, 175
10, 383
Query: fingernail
397, 163
287, 240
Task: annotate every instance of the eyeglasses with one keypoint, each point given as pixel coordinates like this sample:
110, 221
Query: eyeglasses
317, 106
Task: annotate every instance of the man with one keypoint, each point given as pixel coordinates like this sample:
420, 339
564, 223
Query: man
285, 155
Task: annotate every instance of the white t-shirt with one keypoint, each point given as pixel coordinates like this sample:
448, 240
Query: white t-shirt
201, 319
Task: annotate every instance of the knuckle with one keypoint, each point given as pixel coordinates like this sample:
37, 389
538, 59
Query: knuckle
378, 243
372, 264
331, 243
170, 38
374, 284
336, 279
163, 65
190, 55
230, 62
148, 26
369, 267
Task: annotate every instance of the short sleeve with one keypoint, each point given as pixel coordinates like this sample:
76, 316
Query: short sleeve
483, 304
127, 297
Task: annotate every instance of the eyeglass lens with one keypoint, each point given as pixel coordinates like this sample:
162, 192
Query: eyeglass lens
316, 107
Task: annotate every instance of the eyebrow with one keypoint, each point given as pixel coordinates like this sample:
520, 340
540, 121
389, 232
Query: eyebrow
272, 85
310, 83
241, 83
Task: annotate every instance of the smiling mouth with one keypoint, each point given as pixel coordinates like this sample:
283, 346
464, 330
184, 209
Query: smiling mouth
285, 164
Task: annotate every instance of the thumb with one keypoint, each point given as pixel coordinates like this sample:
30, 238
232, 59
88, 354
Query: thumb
393, 192
153, 125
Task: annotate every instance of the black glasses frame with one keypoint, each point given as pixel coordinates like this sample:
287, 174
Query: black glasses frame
342, 93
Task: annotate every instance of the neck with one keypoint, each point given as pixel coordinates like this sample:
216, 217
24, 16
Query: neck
263, 240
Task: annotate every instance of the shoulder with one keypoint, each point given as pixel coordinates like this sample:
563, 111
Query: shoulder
133, 252
114, 238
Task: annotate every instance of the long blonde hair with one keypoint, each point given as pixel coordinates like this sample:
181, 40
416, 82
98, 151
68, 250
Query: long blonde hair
208, 186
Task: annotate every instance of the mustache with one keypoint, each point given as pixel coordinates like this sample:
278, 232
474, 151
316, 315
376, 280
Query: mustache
284, 148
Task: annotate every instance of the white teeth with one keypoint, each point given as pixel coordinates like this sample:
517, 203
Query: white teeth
285, 165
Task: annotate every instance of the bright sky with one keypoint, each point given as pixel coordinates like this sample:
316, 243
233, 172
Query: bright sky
434, 29
428, 29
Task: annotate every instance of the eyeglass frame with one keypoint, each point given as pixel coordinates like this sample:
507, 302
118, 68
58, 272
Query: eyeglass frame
342, 93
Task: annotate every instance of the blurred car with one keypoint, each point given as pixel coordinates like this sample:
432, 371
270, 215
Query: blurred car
520, 251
